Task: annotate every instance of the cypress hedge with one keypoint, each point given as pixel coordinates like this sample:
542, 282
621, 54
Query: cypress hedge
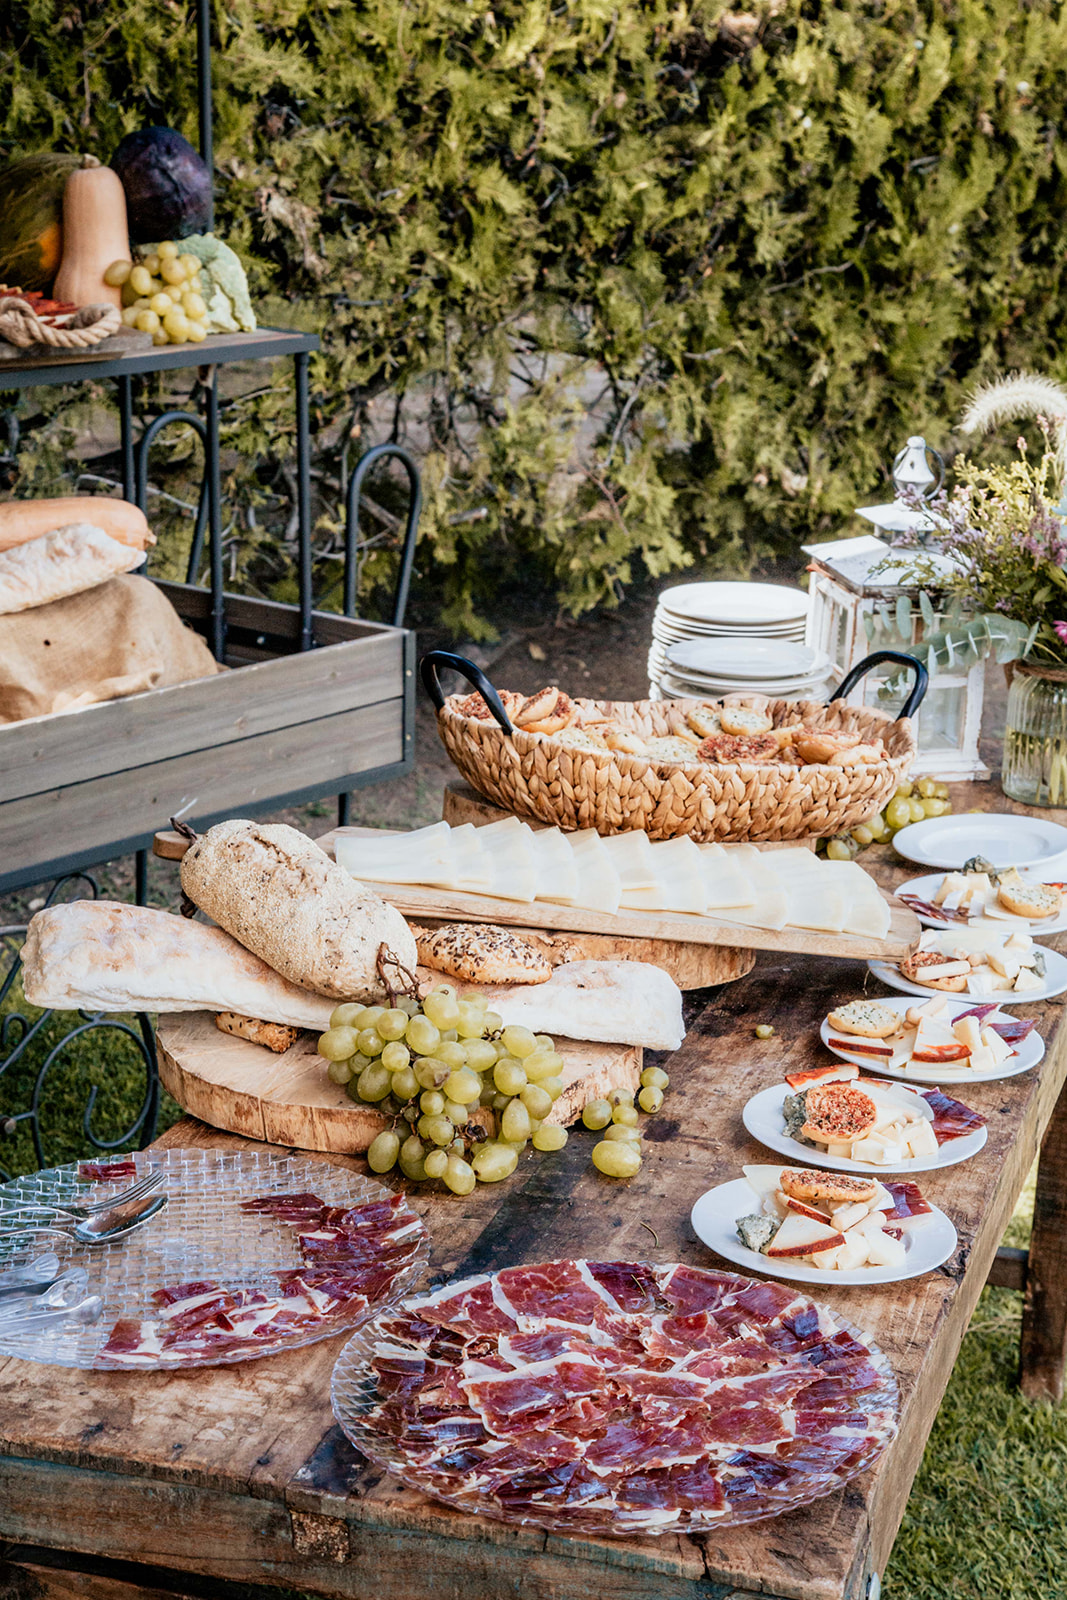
648, 282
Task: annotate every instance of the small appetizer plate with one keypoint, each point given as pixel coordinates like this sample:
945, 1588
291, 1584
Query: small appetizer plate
926, 887
1003, 838
764, 1119
714, 1220
1029, 1052
1053, 983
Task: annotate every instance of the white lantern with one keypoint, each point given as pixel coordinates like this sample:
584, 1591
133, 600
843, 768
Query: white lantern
864, 598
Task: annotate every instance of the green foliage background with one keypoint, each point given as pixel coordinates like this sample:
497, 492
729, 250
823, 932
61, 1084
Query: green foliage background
646, 282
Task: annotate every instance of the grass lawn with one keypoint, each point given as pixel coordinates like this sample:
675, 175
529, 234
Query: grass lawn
987, 1518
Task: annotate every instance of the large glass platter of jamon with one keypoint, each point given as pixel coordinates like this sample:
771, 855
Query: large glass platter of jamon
253, 1254
616, 1397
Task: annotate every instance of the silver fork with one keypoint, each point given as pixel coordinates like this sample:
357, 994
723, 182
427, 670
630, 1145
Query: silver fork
78, 1212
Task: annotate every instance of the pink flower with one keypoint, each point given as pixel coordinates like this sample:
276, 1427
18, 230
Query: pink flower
1061, 630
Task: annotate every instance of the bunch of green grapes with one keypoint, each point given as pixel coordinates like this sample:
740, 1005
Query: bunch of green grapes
618, 1155
912, 801
161, 295
428, 1066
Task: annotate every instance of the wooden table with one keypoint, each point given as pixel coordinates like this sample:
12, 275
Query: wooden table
238, 1476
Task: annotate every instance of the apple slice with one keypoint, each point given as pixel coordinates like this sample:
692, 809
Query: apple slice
799, 1236
806, 1210
841, 1073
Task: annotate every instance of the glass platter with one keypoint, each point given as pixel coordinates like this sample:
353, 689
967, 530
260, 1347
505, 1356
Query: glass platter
355, 1392
201, 1233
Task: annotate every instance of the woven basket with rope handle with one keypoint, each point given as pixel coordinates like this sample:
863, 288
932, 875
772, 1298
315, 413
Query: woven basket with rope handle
538, 777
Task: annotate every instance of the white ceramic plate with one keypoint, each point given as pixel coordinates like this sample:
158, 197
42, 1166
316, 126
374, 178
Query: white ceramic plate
1028, 1054
714, 1219
761, 658
735, 602
925, 888
763, 1118
1004, 839
1055, 981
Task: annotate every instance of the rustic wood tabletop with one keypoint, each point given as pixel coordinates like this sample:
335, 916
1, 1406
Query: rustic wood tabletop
190, 1482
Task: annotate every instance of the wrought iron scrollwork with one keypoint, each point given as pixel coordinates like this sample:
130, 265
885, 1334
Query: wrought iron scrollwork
18, 1033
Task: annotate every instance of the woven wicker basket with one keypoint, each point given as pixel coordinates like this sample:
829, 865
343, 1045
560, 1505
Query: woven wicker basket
537, 777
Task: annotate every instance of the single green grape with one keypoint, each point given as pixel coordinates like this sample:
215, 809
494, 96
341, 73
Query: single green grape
553, 1087
625, 1114
520, 1041
457, 1148
616, 1160
338, 1072
436, 1163
898, 813
459, 1175
905, 789
337, 1044
515, 1121
549, 1137
597, 1114
544, 1041
458, 1113
473, 998
438, 1130
492, 1021
452, 1053
374, 1083
395, 1056
915, 807
927, 789
479, 1055
392, 1024
447, 989
536, 1101
837, 850
432, 1102
370, 1041
541, 1064
431, 1073
941, 791
345, 1016
422, 1036
464, 1086
492, 1161
650, 1099
381, 1157
863, 835
368, 1017
499, 1101
405, 1084
936, 808
654, 1078
876, 826
509, 1076
622, 1133
470, 1020
442, 1010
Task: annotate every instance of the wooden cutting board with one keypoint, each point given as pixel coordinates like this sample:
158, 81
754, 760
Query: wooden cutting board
289, 1099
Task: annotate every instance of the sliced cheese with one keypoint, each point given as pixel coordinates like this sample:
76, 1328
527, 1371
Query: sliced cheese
631, 854
726, 884
599, 887
556, 867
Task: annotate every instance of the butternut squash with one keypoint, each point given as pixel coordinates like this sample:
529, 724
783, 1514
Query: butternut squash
22, 520
95, 233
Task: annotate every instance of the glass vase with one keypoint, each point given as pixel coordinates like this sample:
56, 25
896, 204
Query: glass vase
1035, 738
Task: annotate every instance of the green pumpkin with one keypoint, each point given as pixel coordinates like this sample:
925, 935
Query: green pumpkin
31, 218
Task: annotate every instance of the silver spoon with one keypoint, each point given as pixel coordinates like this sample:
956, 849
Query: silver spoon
102, 1228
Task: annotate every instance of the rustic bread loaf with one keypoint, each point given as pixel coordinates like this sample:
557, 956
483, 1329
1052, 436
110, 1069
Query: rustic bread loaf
100, 955
482, 953
282, 897
59, 564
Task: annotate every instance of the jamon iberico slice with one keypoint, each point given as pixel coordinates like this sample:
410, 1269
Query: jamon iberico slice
618, 1397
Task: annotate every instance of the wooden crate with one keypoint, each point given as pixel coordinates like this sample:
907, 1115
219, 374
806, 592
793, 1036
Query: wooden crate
283, 727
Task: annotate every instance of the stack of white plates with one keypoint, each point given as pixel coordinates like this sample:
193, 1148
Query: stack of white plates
737, 614
711, 668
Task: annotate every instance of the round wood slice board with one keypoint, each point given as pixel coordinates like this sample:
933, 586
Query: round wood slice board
289, 1099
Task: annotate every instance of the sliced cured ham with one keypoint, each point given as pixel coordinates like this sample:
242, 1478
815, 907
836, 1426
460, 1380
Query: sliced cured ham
618, 1397
952, 1119
201, 1322
106, 1171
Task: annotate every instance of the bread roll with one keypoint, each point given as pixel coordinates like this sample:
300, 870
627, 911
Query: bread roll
101, 955
283, 898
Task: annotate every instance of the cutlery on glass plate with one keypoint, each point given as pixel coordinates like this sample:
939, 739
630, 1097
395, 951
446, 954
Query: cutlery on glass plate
31, 1277
102, 1227
33, 1321
67, 1290
77, 1211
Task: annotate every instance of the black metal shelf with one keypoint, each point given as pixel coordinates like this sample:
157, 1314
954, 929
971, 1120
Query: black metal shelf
218, 349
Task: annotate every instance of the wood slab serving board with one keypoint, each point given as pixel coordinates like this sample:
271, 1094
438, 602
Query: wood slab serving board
453, 905
289, 1099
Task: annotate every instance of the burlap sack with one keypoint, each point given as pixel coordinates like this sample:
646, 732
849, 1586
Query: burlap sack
120, 638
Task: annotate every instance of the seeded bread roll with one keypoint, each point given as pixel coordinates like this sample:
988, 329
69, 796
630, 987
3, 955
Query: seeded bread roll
283, 898
482, 954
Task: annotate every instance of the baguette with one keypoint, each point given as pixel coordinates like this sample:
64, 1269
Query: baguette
21, 520
272, 888
100, 955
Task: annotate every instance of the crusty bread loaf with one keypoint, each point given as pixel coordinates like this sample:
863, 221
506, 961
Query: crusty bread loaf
274, 1035
100, 955
59, 564
482, 953
283, 898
